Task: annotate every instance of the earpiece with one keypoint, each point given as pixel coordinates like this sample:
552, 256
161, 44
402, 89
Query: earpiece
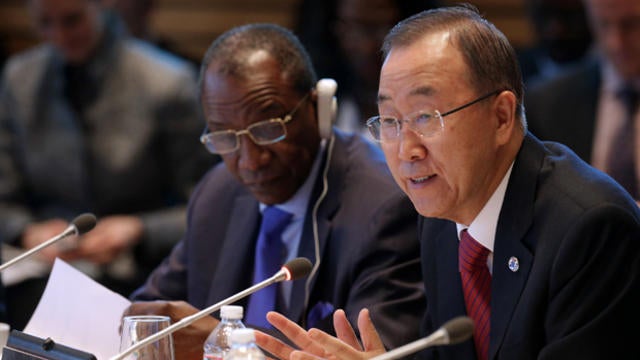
327, 106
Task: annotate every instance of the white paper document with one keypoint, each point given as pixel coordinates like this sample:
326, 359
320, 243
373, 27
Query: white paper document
78, 312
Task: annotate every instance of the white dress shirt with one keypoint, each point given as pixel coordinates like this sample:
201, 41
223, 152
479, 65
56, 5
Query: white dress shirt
483, 227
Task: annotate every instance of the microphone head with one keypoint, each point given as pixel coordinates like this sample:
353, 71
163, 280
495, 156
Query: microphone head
458, 329
84, 223
297, 268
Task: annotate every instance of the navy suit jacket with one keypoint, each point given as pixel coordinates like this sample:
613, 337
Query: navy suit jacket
576, 235
367, 240
563, 108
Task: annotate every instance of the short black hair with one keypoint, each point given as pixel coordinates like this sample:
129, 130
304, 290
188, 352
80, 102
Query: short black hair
488, 54
230, 52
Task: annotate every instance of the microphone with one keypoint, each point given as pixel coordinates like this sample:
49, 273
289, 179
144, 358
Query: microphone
80, 225
292, 270
452, 332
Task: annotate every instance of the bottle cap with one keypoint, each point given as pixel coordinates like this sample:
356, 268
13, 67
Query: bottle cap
242, 336
233, 312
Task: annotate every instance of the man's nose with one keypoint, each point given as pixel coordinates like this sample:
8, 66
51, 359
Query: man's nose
252, 156
410, 145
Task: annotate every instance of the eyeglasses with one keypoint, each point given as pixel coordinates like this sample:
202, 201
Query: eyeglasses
262, 133
424, 123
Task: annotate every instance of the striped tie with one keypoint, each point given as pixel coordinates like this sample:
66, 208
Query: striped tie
476, 285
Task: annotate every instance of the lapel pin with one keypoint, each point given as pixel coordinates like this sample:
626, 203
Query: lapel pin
514, 264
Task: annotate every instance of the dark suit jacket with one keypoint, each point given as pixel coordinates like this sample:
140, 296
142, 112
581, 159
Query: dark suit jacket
576, 235
563, 109
367, 239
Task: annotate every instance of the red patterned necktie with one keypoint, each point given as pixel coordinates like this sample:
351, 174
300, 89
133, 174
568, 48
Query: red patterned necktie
476, 285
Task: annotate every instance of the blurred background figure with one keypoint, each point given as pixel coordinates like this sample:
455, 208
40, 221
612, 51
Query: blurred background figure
562, 38
344, 39
3, 53
598, 101
94, 121
137, 16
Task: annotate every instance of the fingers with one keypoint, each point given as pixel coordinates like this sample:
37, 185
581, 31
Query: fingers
111, 236
301, 355
294, 333
335, 346
272, 345
370, 337
343, 329
346, 346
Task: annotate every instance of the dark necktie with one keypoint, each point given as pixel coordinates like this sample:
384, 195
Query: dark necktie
476, 285
268, 254
621, 160
80, 87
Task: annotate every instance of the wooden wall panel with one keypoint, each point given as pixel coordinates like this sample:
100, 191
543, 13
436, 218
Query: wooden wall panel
192, 24
509, 16
16, 31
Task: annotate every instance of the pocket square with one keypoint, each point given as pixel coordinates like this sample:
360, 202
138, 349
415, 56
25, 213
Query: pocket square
319, 311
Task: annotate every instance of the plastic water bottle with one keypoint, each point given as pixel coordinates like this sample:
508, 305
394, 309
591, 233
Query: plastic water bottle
243, 346
218, 343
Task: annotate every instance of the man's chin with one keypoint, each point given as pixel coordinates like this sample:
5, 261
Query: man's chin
271, 197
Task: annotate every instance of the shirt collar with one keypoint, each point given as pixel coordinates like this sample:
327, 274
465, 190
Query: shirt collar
483, 227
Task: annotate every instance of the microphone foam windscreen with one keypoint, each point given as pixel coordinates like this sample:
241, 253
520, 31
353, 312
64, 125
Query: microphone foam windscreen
459, 329
298, 268
84, 223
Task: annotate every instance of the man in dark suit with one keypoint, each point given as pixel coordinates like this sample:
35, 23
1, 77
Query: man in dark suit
558, 239
349, 218
564, 109
92, 120
592, 108
562, 38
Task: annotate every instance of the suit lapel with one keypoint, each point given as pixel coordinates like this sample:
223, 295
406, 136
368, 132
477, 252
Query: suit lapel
299, 305
449, 286
236, 260
450, 300
328, 207
516, 217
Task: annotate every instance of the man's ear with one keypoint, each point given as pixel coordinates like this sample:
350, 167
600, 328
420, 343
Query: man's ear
504, 110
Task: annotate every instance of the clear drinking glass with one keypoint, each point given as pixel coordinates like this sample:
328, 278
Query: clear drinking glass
136, 328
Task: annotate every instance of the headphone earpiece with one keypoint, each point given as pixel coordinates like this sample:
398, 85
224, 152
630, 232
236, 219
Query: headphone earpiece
327, 106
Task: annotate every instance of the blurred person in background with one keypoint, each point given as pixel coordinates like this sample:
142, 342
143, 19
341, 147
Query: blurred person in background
3, 53
562, 38
137, 17
92, 121
344, 39
594, 108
